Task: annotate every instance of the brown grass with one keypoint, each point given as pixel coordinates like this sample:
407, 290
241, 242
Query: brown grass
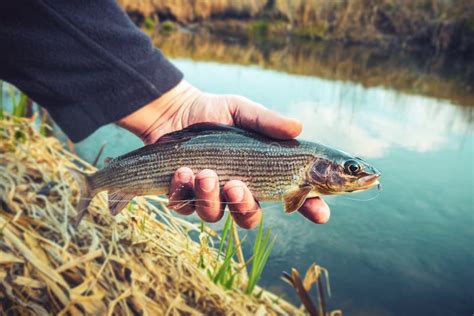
142, 261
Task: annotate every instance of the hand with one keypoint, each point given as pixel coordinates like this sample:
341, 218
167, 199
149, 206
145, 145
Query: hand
185, 105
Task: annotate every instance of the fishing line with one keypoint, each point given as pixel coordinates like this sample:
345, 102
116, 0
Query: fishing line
203, 200
379, 190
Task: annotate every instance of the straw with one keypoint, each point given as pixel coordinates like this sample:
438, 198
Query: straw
142, 261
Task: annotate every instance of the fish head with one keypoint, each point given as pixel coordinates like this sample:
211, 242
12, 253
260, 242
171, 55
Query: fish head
342, 174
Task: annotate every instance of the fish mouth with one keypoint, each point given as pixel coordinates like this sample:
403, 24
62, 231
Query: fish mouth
369, 181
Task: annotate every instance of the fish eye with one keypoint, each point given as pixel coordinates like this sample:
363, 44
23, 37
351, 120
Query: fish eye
352, 167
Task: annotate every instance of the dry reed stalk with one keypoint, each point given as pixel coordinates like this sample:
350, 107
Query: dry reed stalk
142, 261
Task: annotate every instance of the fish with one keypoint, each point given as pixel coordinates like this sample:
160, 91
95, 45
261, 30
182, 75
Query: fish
274, 170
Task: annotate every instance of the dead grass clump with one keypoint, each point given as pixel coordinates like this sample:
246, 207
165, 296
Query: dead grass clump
140, 262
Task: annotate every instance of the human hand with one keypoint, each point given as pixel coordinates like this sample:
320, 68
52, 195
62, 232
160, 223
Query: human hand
185, 105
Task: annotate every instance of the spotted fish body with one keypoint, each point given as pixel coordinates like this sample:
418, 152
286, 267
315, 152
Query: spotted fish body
272, 169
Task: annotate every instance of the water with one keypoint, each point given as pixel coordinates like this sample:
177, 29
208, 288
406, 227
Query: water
407, 252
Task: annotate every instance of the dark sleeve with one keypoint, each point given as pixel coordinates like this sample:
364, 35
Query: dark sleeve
83, 60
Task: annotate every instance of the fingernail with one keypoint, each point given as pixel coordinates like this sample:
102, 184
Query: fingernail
185, 177
207, 184
235, 194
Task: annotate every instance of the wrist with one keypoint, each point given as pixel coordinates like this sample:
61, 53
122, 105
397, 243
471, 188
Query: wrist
162, 115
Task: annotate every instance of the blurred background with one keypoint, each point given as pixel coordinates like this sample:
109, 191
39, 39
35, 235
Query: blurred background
390, 81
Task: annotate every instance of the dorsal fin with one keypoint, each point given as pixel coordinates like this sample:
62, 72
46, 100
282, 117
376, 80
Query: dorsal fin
200, 129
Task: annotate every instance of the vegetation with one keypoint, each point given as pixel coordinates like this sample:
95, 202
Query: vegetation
261, 251
223, 271
19, 102
168, 26
259, 28
438, 76
312, 32
431, 25
149, 23
140, 262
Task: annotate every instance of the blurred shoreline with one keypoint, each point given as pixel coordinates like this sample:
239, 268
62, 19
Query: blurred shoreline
434, 27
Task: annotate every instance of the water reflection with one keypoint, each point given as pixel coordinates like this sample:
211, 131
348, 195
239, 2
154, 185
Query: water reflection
440, 77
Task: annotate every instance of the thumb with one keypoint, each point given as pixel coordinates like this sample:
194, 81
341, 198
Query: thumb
253, 116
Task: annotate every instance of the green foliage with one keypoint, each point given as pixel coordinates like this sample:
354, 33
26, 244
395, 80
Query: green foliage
19, 102
261, 251
168, 26
225, 274
225, 232
259, 28
201, 256
311, 32
149, 23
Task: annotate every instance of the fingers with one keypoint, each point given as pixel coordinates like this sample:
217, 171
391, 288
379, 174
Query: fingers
316, 210
182, 191
254, 116
208, 202
244, 209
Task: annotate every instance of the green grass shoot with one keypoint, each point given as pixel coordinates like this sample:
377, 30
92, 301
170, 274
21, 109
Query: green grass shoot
19, 104
225, 231
225, 274
261, 251
201, 263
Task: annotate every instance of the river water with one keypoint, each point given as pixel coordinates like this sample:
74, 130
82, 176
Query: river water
408, 251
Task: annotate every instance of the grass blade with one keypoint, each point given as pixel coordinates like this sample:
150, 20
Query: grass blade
20, 107
261, 252
225, 231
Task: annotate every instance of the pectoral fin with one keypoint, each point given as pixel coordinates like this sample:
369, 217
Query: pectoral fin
118, 200
295, 198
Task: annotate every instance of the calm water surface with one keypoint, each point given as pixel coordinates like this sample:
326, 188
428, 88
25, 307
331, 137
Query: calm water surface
407, 252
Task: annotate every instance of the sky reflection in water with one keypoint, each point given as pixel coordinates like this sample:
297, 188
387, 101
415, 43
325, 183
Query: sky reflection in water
406, 252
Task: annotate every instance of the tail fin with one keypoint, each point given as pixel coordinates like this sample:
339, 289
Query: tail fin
85, 193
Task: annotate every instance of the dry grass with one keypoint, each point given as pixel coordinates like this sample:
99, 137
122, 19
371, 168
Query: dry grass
142, 261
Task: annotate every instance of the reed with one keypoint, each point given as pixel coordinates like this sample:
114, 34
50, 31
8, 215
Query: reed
261, 251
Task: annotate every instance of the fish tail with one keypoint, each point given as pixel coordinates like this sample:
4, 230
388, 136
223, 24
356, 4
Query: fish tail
85, 193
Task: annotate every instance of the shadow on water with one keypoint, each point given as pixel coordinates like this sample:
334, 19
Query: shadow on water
441, 77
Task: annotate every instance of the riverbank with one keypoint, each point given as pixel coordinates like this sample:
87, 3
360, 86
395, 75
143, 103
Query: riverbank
431, 26
141, 262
